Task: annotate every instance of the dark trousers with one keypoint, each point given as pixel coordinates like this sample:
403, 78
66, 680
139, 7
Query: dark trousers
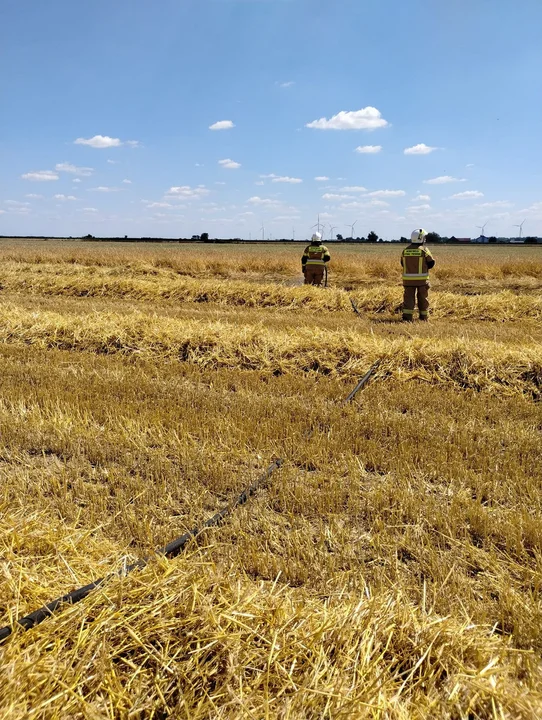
409, 301
314, 274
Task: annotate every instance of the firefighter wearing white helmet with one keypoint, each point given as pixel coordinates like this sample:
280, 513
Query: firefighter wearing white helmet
416, 262
314, 260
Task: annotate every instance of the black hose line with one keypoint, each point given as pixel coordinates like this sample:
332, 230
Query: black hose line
170, 550
364, 380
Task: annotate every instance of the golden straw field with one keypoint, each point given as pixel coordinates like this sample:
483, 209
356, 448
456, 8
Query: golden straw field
391, 569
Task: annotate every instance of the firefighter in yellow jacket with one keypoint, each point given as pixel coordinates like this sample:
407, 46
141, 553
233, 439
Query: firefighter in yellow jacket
314, 261
416, 262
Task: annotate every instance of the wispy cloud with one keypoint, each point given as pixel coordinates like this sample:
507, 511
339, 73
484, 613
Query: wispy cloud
368, 118
321, 178
34, 196
127, 182
282, 179
287, 84
494, 204
443, 179
422, 198
419, 208
368, 149
104, 188
40, 175
353, 189
255, 200
386, 193
336, 196
421, 149
229, 164
222, 125
467, 195
104, 141
187, 192
73, 169
65, 197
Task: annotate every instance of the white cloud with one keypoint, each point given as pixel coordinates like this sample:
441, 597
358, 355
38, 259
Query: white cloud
65, 197
386, 193
104, 141
159, 204
229, 164
368, 118
16, 203
99, 141
219, 182
103, 188
354, 188
325, 216
113, 162
76, 180
379, 203
185, 191
419, 208
222, 125
496, 203
259, 182
334, 196
421, 149
467, 195
262, 201
69, 168
34, 196
422, 198
89, 210
321, 178
443, 179
291, 180
40, 175
127, 182
284, 218
281, 179
368, 149
288, 84
470, 165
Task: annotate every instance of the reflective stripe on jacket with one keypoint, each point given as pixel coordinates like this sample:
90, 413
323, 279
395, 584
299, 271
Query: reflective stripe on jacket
416, 262
315, 255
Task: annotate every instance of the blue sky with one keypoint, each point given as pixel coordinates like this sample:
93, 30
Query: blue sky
392, 113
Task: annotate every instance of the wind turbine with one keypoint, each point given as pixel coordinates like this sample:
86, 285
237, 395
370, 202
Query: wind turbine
352, 229
263, 232
520, 226
318, 224
331, 229
482, 228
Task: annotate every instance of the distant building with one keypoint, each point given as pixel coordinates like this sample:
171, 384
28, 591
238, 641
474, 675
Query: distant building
481, 239
463, 240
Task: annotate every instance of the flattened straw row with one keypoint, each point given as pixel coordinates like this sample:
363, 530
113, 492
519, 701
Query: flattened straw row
386, 298
482, 365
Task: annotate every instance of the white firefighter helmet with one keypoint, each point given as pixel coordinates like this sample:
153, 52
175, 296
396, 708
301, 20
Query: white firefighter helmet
316, 237
418, 236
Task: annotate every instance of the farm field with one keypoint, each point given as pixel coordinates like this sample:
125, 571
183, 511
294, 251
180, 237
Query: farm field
391, 568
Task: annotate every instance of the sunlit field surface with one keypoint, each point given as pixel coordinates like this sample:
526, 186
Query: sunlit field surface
392, 568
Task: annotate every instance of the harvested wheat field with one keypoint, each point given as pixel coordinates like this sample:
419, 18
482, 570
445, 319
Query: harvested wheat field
390, 568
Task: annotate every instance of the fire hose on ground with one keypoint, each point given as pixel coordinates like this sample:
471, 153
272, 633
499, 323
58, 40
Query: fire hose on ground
173, 548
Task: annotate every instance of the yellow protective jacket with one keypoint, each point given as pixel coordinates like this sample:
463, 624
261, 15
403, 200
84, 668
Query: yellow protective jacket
315, 255
416, 262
